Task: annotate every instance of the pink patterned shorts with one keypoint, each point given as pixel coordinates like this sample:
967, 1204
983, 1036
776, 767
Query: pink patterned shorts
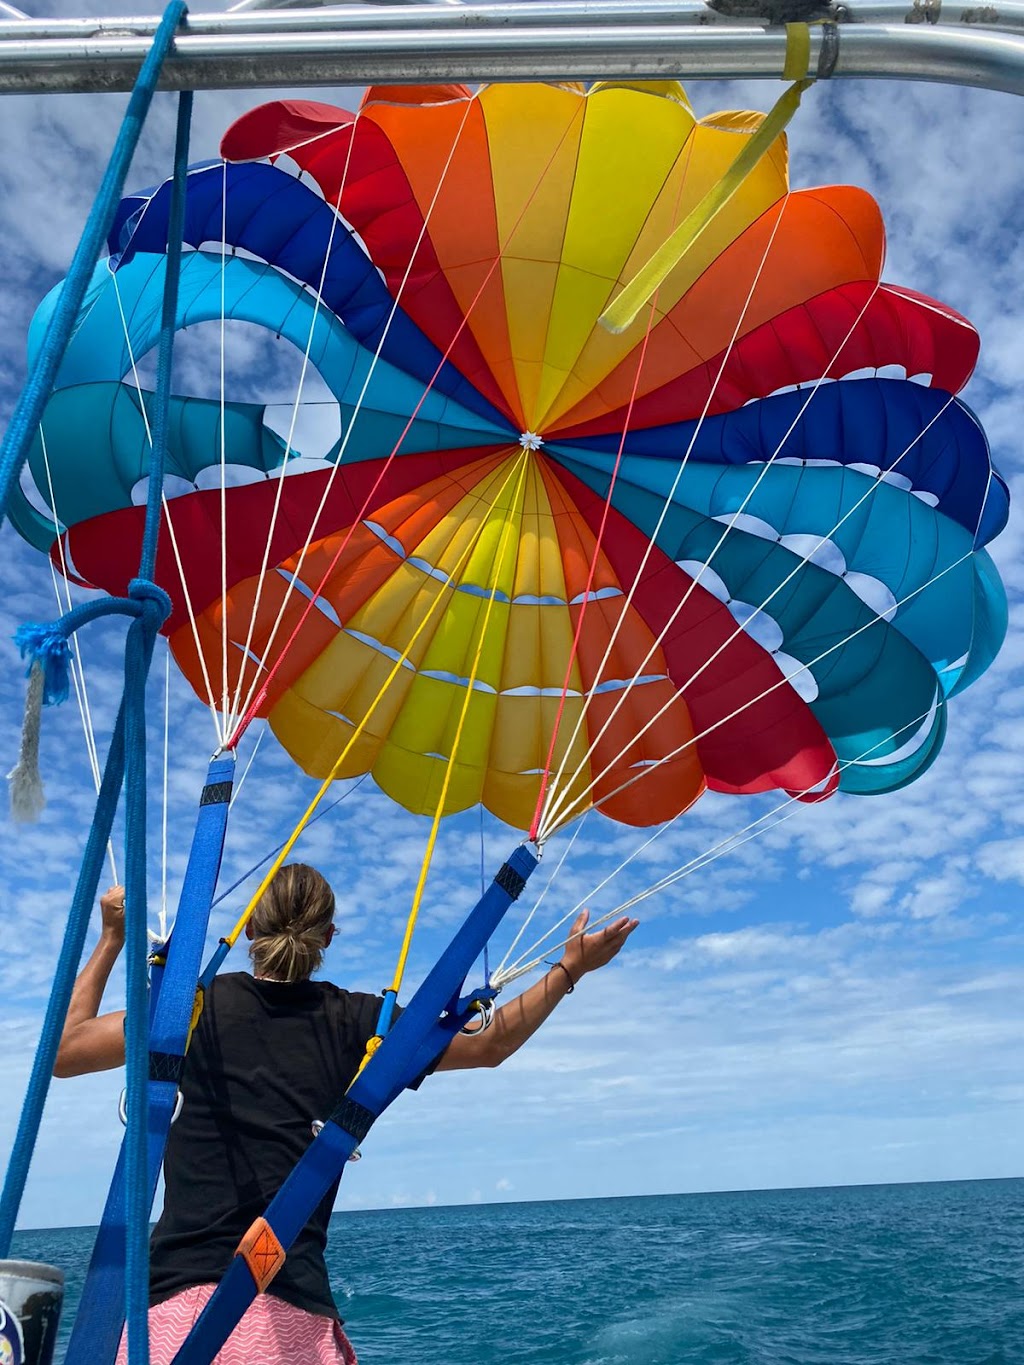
271, 1331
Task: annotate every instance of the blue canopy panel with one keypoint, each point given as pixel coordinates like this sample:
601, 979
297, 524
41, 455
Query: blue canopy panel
269, 213
923, 436
873, 686
909, 562
251, 292
97, 444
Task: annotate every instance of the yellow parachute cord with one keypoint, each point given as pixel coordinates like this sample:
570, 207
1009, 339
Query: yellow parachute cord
522, 464
396, 984
622, 312
308, 814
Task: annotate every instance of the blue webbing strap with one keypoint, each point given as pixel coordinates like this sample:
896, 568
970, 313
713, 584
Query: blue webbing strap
418, 1036
101, 1311
28, 414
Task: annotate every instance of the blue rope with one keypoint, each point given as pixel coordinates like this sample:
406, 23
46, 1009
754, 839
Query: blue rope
29, 411
126, 760
138, 656
64, 979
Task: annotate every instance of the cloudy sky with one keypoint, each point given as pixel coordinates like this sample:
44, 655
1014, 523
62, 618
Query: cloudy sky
840, 1000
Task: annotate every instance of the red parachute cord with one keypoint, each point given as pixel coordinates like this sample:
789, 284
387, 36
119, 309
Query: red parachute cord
256, 704
549, 762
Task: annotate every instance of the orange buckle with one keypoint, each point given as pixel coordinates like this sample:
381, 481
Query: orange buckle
262, 1252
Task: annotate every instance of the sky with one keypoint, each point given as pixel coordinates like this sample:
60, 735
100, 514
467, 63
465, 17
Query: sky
840, 1000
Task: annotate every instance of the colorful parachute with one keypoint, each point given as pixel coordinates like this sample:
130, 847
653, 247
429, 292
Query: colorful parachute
772, 586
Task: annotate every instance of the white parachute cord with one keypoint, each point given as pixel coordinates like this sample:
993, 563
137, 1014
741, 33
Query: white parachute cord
762, 824
556, 784
237, 708
77, 669
186, 595
566, 809
571, 914
556, 801
358, 406
496, 975
784, 681
794, 803
245, 771
163, 813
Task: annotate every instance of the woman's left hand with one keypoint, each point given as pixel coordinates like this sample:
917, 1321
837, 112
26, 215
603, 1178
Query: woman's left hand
112, 913
586, 952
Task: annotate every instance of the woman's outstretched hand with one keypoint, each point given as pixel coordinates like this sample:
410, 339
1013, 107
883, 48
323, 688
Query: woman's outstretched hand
586, 952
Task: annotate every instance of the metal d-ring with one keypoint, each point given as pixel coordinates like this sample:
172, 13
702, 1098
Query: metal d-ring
483, 1021
122, 1107
317, 1127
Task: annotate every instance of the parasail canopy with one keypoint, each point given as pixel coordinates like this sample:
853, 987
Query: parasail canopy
738, 546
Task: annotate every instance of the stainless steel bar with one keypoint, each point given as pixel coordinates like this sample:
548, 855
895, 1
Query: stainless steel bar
375, 18
533, 14
493, 50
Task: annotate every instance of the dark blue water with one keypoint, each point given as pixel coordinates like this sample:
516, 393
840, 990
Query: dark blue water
893, 1274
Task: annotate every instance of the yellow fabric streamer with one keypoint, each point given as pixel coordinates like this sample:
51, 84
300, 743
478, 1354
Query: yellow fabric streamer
622, 312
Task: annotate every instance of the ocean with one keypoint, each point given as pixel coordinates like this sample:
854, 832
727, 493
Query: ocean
929, 1274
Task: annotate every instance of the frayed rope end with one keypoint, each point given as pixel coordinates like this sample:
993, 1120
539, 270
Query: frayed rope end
26, 785
46, 646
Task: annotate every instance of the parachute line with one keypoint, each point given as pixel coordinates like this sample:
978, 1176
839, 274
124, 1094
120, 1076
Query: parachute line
225, 681
521, 464
77, 663
179, 563
553, 802
359, 728
784, 681
792, 805
591, 570
253, 705
886, 613
237, 707
246, 710
500, 972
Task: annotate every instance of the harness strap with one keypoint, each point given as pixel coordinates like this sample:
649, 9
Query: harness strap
100, 1317
425, 1028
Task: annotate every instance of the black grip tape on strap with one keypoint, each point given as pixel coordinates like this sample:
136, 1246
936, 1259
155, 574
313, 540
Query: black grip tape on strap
510, 880
165, 1066
354, 1118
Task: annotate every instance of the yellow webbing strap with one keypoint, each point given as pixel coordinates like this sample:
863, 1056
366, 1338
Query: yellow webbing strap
798, 52
621, 313
197, 1012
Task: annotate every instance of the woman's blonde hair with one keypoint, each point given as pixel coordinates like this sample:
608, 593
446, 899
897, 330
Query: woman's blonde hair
290, 924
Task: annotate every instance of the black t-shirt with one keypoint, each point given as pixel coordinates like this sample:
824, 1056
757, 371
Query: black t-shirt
266, 1059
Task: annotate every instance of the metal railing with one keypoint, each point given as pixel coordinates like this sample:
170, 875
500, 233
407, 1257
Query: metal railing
519, 40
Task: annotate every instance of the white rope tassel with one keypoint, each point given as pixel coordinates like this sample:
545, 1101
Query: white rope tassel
26, 784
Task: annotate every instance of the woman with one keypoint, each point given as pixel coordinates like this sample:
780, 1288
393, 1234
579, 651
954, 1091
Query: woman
272, 1054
